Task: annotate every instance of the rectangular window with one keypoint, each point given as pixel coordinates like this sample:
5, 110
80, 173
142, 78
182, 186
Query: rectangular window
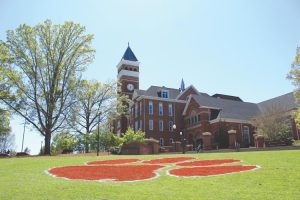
171, 141
160, 109
161, 141
170, 109
170, 125
161, 125
165, 94
136, 109
151, 125
198, 118
141, 124
140, 108
150, 108
136, 127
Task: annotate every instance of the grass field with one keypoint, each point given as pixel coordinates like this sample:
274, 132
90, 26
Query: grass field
279, 178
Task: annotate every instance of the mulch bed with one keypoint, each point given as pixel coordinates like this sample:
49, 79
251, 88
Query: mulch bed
207, 162
113, 162
107, 172
117, 170
168, 160
210, 171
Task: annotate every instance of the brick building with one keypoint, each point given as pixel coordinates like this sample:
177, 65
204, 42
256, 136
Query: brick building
199, 117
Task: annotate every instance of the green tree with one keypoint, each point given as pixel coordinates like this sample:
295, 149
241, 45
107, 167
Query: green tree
4, 122
272, 122
6, 138
108, 140
130, 136
63, 142
4, 60
94, 102
42, 65
294, 76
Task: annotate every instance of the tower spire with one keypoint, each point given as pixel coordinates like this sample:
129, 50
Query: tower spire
129, 55
182, 86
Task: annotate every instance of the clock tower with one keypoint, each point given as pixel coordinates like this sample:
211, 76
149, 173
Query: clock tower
128, 78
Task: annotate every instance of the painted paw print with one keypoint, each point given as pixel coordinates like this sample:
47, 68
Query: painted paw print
128, 170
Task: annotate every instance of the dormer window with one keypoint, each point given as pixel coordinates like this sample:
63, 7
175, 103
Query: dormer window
165, 94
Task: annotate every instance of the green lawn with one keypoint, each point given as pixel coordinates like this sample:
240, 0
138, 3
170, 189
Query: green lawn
279, 178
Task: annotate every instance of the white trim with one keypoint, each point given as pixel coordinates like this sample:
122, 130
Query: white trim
151, 127
127, 62
209, 107
191, 86
206, 133
170, 104
159, 98
187, 105
161, 128
232, 131
128, 73
152, 107
160, 109
229, 120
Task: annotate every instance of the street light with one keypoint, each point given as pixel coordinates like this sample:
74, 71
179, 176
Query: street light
174, 128
182, 142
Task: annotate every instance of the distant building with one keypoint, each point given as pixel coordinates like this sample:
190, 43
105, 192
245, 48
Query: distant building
195, 114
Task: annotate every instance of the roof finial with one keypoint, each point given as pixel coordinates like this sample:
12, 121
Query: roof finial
128, 44
182, 85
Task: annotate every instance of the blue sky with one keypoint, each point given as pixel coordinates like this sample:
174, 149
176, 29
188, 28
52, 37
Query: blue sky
235, 47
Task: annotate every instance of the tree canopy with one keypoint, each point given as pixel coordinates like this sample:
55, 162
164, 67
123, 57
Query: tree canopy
294, 76
42, 66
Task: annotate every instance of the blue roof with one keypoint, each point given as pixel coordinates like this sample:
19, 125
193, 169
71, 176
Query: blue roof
129, 55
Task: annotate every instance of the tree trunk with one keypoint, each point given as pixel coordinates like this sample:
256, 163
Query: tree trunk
47, 144
87, 150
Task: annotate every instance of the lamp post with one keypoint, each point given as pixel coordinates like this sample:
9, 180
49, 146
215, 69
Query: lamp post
98, 136
182, 142
42, 147
23, 132
174, 128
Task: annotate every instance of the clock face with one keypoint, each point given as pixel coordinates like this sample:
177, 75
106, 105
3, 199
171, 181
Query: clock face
130, 87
